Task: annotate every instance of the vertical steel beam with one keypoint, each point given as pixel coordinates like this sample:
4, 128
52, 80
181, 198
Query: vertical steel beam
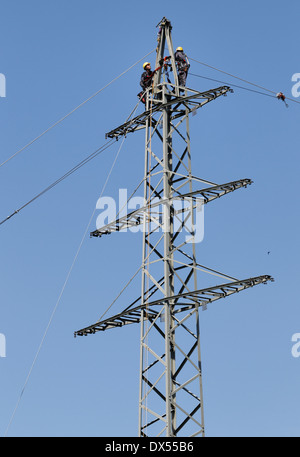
165, 38
170, 368
168, 266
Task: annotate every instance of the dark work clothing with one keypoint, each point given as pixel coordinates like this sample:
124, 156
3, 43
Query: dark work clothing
183, 66
146, 79
182, 60
145, 83
182, 78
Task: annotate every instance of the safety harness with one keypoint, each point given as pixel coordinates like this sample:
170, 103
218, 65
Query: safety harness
162, 63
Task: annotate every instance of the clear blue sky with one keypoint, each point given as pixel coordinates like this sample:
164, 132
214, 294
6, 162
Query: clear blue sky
56, 54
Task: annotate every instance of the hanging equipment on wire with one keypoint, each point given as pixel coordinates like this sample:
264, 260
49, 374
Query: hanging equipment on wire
280, 96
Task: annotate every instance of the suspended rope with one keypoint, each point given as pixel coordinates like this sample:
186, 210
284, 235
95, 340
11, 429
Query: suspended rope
120, 293
233, 76
61, 293
64, 286
278, 95
233, 85
75, 109
70, 172
62, 178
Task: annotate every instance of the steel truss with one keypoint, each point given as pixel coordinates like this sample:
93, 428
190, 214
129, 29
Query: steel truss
136, 217
183, 302
171, 222
191, 101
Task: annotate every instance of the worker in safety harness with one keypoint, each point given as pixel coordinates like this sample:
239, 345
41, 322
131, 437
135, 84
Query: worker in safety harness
146, 80
183, 66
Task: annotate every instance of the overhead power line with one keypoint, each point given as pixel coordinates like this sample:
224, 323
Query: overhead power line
73, 263
233, 85
60, 295
70, 172
75, 109
62, 178
241, 79
233, 76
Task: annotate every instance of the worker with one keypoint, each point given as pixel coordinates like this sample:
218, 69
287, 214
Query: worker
146, 80
183, 66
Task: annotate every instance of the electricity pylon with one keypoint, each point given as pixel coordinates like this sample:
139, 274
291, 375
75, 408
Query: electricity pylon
170, 387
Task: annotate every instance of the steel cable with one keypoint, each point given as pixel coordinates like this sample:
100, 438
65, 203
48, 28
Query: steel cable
241, 79
66, 281
60, 295
73, 110
66, 175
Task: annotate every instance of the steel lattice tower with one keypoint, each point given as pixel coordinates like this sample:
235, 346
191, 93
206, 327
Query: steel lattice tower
170, 387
